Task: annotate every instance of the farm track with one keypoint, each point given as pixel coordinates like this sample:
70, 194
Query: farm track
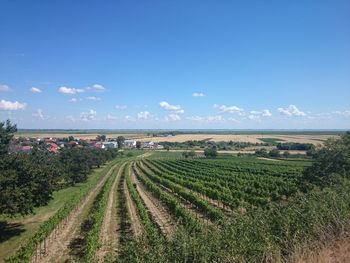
58, 250
158, 211
136, 226
216, 203
108, 233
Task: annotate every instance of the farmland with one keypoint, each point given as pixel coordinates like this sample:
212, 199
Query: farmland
155, 207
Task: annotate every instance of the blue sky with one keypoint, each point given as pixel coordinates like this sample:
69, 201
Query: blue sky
175, 64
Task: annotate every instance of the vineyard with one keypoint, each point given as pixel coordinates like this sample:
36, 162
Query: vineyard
153, 209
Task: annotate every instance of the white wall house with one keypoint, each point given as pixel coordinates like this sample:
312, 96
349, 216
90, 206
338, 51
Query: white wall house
130, 144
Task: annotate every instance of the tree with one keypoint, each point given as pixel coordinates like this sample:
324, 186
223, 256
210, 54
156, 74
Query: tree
274, 153
101, 138
120, 141
286, 154
331, 162
211, 152
7, 131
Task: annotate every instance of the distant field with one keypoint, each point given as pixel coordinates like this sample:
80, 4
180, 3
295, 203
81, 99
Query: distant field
252, 138
258, 137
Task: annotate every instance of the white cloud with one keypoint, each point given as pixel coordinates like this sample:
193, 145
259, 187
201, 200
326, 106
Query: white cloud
198, 94
292, 110
4, 87
35, 90
175, 108
9, 105
263, 113
92, 98
173, 117
98, 87
143, 115
120, 107
66, 90
39, 114
229, 109
88, 116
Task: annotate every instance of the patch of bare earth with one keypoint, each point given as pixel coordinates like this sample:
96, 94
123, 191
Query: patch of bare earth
157, 210
57, 248
337, 251
108, 232
136, 226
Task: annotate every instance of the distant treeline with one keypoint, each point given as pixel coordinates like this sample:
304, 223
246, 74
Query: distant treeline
295, 146
223, 145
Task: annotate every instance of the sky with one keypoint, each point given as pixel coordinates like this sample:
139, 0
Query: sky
175, 64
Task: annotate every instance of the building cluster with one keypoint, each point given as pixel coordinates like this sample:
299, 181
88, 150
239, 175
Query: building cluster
53, 145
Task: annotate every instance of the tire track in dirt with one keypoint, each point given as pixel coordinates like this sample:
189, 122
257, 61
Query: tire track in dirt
159, 213
58, 250
108, 232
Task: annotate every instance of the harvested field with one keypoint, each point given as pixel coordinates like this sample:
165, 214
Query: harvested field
251, 138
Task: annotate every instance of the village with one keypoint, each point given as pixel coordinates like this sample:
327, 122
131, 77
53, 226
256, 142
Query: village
53, 145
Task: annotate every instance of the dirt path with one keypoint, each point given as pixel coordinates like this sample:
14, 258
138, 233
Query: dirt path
136, 226
337, 251
157, 210
58, 250
109, 234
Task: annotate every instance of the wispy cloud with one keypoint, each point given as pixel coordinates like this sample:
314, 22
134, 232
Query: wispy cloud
229, 109
120, 107
143, 115
92, 98
175, 108
198, 94
39, 114
70, 91
35, 90
89, 115
291, 110
4, 87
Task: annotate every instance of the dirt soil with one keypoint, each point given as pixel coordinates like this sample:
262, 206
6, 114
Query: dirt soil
155, 207
58, 249
109, 234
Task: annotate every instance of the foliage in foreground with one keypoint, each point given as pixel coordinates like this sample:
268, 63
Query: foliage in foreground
256, 236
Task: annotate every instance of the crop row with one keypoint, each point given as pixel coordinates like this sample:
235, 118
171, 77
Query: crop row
25, 252
211, 212
95, 219
146, 222
170, 202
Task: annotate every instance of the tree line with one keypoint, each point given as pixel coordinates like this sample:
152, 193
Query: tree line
28, 180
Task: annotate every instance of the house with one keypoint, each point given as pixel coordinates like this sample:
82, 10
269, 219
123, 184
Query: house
130, 144
52, 147
110, 145
149, 145
99, 145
